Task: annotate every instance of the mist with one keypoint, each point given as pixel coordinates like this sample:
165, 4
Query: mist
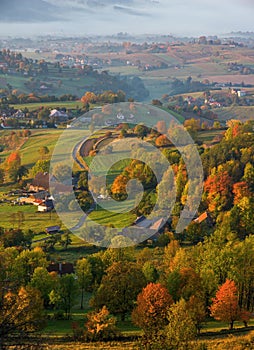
179, 17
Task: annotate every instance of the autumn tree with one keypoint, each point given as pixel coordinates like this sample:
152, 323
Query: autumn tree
190, 284
88, 98
162, 141
225, 304
124, 281
152, 307
192, 124
118, 187
240, 190
218, 189
100, 325
12, 165
20, 314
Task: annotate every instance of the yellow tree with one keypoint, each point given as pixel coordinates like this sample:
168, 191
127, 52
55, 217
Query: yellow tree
20, 313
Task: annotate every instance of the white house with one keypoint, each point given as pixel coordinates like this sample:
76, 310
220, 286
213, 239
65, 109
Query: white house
241, 93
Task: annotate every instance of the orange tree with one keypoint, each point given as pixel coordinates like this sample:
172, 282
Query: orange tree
152, 308
225, 304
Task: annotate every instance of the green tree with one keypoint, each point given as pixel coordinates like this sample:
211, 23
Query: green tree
43, 281
141, 130
97, 268
83, 181
44, 114
124, 281
84, 275
43, 151
1, 177
41, 166
66, 240
27, 261
62, 172
181, 328
197, 311
64, 295
150, 272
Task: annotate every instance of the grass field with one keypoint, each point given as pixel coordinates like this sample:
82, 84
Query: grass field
51, 105
29, 151
242, 113
208, 135
32, 219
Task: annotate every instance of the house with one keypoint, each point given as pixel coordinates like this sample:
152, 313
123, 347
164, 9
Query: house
52, 230
120, 116
18, 115
33, 197
147, 228
241, 93
61, 268
46, 206
205, 217
40, 182
59, 115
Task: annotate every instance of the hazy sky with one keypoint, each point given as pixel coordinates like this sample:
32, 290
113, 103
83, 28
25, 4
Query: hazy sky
181, 17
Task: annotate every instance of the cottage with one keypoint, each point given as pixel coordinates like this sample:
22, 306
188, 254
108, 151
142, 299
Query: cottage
52, 229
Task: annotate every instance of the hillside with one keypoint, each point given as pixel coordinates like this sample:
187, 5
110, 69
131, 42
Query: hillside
42, 77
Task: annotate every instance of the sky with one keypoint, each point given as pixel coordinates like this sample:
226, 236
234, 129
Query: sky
84, 17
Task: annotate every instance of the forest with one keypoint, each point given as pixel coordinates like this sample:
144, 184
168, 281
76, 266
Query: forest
168, 292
